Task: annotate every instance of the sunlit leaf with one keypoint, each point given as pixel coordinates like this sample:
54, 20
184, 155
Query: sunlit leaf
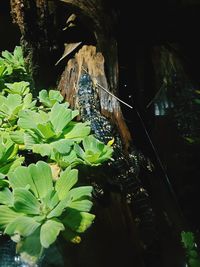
42, 177
78, 221
6, 197
58, 210
45, 130
20, 88
66, 181
48, 99
82, 205
77, 130
21, 177
28, 119
49, 232
81, 191
26, 202
22, 225
42, 149
60, 116
63, 146
7, 216
17, 137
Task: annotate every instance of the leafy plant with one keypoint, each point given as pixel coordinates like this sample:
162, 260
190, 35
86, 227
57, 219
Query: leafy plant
13, 61
38, 202
20, 88
188, 240
94, 152
36, 208
9, 159
54, 134
48, 99
10, 107
12, 67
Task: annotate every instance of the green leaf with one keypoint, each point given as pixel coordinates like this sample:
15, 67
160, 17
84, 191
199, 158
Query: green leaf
17, 137
42, 177
92, 144
7, 216
25, 201
30, 139
30, 248
62, 146
60, 116
80, 192
79, 151
194, 262
9, 167
6, 197
48, 99
28, 103
187, 239
78, 221
7, 148
66, 181
15, 164
77, 130
28, 119
51, 200
13, 101
42, 149
58, 210
95, 152
192, 253
81, 205
70, 159
21, 177
20, 88
22, 225
2, 70
13, 60
45, 130
3, 182
9, 110
49, 232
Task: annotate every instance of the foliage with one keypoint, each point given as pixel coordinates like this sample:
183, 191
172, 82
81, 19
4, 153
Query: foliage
40, 208
53, 134
12, 67
38, 201
11, 105
190, 246
9, 159
48, 99
94, 152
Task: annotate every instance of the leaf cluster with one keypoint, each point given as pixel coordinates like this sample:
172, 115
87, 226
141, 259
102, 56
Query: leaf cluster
192, 256
38, 201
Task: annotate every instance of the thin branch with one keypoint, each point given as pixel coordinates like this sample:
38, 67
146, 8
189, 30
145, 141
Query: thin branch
99, 85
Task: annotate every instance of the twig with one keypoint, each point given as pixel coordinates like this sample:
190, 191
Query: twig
99, 85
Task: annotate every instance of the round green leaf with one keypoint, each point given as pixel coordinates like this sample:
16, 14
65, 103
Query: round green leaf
49, 232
